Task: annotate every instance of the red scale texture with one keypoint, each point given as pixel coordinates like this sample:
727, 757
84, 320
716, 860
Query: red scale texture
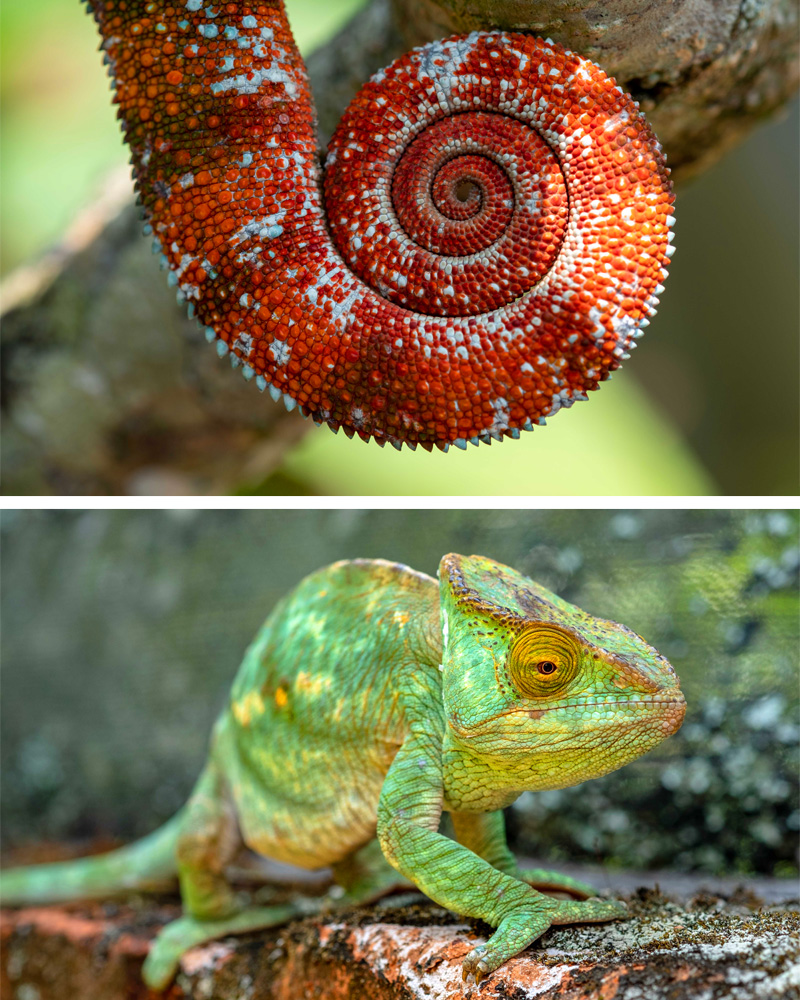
494, 233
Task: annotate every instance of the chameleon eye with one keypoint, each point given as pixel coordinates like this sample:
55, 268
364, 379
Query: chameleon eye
543, 660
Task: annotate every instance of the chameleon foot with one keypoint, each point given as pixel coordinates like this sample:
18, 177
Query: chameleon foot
589, 911
178, 937
518, 930
547, 881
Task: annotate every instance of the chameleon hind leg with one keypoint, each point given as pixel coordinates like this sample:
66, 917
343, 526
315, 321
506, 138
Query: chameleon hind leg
188, 932
365, 875
212, 907
485, 834
208, 841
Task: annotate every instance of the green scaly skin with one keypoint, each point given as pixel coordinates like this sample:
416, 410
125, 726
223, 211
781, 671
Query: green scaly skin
371, 701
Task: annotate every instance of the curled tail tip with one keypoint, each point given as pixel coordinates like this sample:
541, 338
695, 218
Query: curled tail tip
488, 244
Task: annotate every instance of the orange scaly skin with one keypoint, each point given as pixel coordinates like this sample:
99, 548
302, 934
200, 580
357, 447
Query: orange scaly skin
492, 237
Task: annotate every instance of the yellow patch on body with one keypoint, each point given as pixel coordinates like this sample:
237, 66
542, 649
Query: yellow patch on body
252, 704
310, 684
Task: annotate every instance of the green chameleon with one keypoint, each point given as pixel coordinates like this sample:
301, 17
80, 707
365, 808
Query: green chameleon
372, 700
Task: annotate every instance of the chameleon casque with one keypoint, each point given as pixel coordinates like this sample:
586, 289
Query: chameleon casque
484, 245
372, 700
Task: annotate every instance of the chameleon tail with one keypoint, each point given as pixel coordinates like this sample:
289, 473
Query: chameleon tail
145, 864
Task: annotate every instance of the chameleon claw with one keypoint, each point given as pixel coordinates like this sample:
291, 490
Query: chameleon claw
475, 966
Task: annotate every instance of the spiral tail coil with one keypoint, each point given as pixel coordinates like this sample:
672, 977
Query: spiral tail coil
494, 236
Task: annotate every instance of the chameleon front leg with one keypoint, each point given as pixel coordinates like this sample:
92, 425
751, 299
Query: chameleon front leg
208, 840
485, 834
454, 876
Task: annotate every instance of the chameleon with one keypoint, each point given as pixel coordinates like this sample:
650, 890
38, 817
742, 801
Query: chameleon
373, 700
486, 241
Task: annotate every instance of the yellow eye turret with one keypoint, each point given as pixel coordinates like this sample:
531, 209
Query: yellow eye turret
543, 660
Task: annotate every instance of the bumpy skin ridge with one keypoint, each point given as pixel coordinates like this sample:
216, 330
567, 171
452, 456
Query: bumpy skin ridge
492, 238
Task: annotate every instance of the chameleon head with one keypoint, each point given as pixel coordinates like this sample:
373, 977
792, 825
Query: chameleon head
540, 690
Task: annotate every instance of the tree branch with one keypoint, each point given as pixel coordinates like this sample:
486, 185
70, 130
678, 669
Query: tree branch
704, 71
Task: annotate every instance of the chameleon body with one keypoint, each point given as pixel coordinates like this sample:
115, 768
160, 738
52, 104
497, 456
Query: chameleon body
487, 242
371, 701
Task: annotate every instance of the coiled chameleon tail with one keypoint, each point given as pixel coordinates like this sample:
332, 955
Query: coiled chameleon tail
145, 864
491, 241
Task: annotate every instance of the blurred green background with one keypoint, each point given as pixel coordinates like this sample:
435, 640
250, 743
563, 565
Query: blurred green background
708, 404
122, 631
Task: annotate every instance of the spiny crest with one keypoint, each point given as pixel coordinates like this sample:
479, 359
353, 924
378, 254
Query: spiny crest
479, 586
486, 587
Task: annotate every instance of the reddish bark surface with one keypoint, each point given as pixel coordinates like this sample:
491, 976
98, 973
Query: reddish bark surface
732, 947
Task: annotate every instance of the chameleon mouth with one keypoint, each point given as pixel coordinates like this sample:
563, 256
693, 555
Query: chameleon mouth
662, 711
671, 707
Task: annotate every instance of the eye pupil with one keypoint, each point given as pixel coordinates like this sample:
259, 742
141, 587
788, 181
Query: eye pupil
546, 667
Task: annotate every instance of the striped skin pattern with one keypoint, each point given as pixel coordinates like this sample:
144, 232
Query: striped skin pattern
487, 242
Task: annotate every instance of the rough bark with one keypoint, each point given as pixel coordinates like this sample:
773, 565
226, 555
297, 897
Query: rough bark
109, 388
406, 947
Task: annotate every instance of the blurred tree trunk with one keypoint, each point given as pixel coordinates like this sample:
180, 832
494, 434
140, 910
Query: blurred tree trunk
109, 388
